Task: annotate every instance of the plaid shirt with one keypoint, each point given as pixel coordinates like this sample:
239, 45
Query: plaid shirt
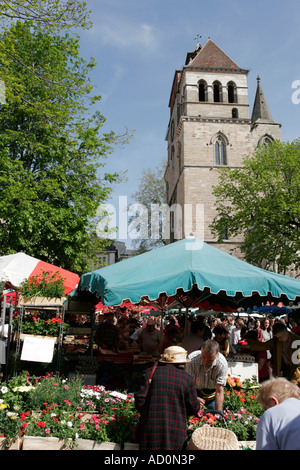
207, 377
172, 397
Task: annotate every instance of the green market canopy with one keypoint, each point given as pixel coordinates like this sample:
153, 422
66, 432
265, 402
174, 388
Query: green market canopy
188, 272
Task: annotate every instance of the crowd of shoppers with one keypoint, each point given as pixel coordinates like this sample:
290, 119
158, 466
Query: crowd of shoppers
191, 368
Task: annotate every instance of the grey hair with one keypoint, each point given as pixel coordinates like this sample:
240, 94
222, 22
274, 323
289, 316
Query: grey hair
211, 347
279, 387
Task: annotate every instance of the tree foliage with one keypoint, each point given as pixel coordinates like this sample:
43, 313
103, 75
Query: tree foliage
52, 149
261, 201
150, 196
47, 14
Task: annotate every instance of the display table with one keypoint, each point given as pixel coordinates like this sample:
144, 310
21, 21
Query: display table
243, 366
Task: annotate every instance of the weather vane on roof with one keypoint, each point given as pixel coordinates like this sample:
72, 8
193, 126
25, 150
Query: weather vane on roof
197, 37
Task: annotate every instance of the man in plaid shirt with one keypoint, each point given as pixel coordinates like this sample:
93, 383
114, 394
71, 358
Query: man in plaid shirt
209, 369
172, 397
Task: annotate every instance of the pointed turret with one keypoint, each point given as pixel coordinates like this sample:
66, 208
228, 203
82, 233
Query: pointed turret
261, 111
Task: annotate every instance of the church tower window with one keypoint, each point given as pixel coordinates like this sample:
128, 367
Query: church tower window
232, 94
220, 151
265, 140
234, 113
217, 92
202, 90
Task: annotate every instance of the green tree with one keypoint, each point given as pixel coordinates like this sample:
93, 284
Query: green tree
50, 14
52, 149
151, 197
261, 201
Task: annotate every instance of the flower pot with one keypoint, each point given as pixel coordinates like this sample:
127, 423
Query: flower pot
86, 444
40, 301
26, 335
6, 445
43, 443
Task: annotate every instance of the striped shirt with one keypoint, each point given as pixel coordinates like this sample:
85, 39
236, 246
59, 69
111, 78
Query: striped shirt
207, 377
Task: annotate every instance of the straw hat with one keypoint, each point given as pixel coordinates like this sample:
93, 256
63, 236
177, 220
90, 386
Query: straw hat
211, 438
174, 355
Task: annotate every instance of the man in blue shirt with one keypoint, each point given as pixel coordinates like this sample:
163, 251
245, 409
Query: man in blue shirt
279, 426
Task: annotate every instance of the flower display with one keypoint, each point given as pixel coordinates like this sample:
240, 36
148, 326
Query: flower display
241, 411
56, 407
40, 323
46, 284
52, 406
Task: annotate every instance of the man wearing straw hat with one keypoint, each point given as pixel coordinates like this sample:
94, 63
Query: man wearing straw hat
166, 402
209, 370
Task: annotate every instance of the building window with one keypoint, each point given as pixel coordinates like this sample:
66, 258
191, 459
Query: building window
232, 94
217, 92
172, 157
220, 151
234, 113
202, 90
265, 140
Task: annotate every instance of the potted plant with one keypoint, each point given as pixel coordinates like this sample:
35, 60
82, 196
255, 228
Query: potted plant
43, 289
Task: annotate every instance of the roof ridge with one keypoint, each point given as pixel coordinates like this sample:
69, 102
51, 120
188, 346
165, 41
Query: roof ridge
211, 55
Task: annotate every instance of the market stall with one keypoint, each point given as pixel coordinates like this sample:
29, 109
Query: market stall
32, 311
186, 274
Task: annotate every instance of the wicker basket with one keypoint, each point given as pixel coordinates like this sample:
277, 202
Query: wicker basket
211, 438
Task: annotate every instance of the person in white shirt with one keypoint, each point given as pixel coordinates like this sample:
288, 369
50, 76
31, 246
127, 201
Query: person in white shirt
209, 369
235, 334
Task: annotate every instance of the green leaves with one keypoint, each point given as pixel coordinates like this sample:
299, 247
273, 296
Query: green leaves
52, 15
52, 150
261, 201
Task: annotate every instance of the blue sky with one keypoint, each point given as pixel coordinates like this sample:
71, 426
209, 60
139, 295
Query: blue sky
138, 45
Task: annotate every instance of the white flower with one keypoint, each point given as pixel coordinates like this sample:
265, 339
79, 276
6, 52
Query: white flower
4, 389
23, 388
69, 424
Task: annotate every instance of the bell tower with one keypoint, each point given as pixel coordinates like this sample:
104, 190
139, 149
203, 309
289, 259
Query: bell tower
209, 127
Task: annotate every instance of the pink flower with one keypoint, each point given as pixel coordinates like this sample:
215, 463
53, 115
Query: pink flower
47, 431
66, 387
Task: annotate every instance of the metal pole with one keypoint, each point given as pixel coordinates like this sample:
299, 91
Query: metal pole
3, 313
11, 309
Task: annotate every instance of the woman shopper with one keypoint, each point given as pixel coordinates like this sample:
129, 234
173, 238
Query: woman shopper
166, 403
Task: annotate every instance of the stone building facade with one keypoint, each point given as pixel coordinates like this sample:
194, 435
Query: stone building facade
210, 126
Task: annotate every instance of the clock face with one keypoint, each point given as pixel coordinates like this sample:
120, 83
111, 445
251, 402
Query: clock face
172, 130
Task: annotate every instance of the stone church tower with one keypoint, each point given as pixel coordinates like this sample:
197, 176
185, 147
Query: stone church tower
209, 127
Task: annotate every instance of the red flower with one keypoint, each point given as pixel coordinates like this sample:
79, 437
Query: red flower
194, 420
41, 424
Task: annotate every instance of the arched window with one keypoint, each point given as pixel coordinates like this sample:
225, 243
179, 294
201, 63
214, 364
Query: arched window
265, 140
220, 151
234, 113
232, 94
217, 92
202, 90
